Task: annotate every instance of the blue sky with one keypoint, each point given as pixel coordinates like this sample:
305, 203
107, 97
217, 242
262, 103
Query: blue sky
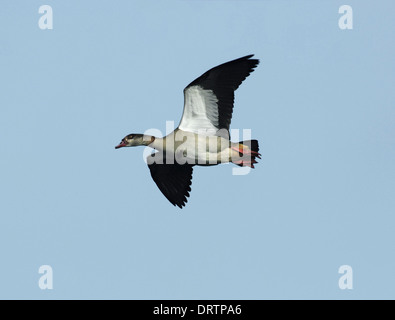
321, 103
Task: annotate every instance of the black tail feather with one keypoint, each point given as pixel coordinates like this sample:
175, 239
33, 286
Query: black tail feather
249, 156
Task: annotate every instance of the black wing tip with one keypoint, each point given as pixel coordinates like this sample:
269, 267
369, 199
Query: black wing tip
181, 203
251, 64
248, 57
178, 201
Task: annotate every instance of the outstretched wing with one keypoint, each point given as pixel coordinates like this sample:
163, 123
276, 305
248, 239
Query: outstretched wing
173, 180
208, 100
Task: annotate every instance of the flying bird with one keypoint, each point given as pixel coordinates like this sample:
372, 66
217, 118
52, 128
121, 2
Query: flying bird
202, 137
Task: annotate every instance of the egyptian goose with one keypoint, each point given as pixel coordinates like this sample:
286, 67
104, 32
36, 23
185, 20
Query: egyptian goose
202, 137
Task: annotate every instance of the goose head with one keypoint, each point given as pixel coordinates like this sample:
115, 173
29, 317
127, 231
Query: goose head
134, 140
